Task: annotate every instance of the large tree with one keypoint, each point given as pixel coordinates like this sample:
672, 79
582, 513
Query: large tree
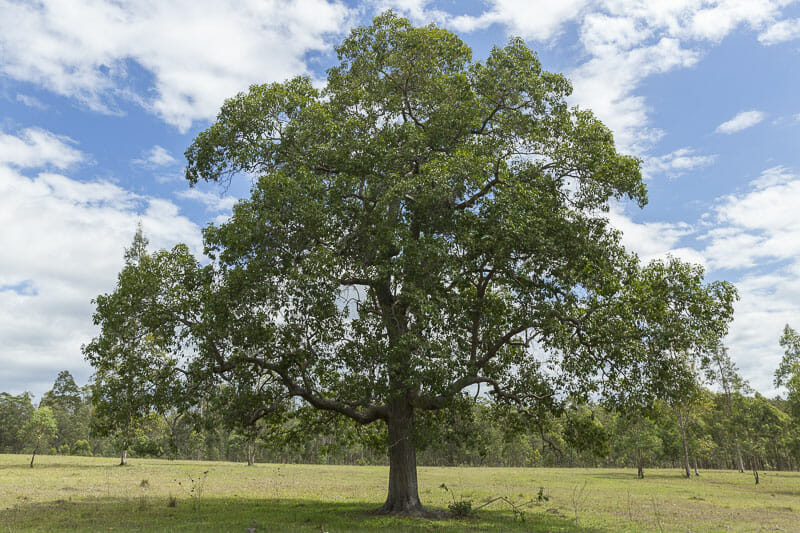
422, 225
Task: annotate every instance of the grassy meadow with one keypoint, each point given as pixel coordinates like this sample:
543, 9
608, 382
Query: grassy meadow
93, 494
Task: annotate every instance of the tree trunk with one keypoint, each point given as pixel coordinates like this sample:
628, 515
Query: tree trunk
682, 424
755, 469
403, 495
124, 458
639, 464
251, 453
739, 457
36, 449
696, 473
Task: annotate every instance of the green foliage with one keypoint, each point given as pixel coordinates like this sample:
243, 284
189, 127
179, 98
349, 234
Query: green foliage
82, 448
458, 507
423, 224
39, 430
14, 412
583, 431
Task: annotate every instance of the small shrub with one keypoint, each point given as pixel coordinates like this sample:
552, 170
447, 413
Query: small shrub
195, 488
82, 448
144, 484
460, 508
541, 497
172, 501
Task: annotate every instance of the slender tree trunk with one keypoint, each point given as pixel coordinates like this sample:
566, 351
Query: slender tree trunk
755, 468
696, 473
682, 423
639, 463
124, 458
403, 495
36, 449
739, 457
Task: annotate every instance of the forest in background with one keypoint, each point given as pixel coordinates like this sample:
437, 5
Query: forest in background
733, 428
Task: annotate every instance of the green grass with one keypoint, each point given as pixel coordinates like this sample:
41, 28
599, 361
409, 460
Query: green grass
92, 494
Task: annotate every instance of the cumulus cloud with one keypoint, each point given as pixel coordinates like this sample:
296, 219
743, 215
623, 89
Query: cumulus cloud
752, 239
605, 84
529, 19
781, 31
623, 41
757, 226
742, 121
749, 238
676, 163
35, 147
62, 247
654, 240
157, 156
213, 202
198, 52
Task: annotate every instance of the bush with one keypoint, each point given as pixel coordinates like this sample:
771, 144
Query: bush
63, 449
82, 448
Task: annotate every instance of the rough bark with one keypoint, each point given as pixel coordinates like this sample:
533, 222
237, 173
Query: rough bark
403, 497
123, 458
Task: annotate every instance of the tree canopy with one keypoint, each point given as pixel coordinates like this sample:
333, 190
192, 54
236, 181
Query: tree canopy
422, 225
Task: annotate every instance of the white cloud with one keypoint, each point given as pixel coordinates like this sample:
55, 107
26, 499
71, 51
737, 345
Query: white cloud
758, 226
654, 240
63, 245
213, 202
624, 42
750, 238
198, 52
31, 101
35, 147
755, 234
781, 31
676, 163
742, 121
605, 84
530, 19
157, 156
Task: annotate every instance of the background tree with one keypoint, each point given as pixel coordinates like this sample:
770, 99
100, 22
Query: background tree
788, 372
637, 441
39, 430
14, 412
69, 408
724, 372
423, 224
133, 375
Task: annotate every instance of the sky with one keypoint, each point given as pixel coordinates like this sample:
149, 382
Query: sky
99, 100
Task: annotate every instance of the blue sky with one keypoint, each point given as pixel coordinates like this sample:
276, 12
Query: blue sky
99, 99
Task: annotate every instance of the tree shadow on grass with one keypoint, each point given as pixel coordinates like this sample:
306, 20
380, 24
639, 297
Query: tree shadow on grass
154, 513
648, 474
48, 466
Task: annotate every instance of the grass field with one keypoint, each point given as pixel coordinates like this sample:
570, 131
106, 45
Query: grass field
92, 494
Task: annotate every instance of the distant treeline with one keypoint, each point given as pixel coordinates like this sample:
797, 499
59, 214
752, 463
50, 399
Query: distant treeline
732, 429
